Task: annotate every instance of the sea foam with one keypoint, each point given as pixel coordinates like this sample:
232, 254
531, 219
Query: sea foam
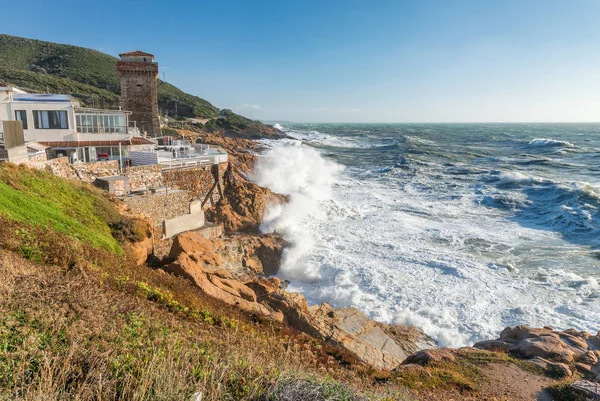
420, 244
300, 172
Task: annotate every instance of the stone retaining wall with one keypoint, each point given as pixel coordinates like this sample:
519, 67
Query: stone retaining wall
161, 206
87, 172
145, 176
38, 157
198, 182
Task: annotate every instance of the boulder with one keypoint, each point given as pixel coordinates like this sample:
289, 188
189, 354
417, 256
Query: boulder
410, 338
141, 249
522, 332
194, 244
585, 390
197, 262
242, 255
413, 368
595, 371
360, 335
233, 287
229, 291
546, 346
565, 346
495, 345
427, 356
589, 357
243, 205
263, 287
583, 368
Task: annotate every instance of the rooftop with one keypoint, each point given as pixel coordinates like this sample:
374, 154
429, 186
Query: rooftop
44, 98
136, 53
100, 111
136, 140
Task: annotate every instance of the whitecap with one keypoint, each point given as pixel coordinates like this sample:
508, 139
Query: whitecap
545, 142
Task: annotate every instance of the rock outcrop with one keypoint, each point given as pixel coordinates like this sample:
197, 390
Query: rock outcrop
243, 205
199, 260
141, 245
244, 256
585, 390
347, 328
558, 352
232, 270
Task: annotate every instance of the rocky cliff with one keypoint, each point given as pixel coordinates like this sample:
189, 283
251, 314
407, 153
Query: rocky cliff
238, 270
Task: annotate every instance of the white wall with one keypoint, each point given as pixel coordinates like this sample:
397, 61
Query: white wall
4, 106
7, 112
44, 135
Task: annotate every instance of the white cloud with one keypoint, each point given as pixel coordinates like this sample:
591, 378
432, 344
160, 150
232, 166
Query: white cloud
247, 106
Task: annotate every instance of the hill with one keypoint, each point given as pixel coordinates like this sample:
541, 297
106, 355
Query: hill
87, 74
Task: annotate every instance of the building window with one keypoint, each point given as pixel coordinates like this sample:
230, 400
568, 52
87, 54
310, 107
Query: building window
101, 123
21, 115
52, 119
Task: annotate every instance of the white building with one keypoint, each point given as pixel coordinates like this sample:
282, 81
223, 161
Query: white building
58, 122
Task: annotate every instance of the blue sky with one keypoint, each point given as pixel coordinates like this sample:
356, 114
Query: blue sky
363, 61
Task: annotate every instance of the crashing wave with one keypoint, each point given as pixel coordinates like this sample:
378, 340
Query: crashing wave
548, 143
569, 208
307, 178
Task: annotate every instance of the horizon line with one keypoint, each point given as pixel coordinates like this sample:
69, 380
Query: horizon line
431, 122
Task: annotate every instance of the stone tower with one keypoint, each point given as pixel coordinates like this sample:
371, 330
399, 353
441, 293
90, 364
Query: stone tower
139, 73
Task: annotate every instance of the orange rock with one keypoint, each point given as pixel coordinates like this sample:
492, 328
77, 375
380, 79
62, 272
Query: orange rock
233, 287
140, 250
432, 355
243, 205
196, 246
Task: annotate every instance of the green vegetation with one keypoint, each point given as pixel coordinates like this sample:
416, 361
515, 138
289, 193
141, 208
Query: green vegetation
42, 201
44, 83
171, 98
464, 374
561, 392
89, 75
229, 120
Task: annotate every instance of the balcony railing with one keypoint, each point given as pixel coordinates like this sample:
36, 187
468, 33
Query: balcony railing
94, 129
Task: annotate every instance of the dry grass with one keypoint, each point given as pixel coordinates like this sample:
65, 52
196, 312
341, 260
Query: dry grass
463, 375
88, 333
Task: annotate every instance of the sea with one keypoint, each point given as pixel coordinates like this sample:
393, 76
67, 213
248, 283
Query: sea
459, 229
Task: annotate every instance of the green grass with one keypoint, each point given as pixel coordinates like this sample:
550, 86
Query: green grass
40, 199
